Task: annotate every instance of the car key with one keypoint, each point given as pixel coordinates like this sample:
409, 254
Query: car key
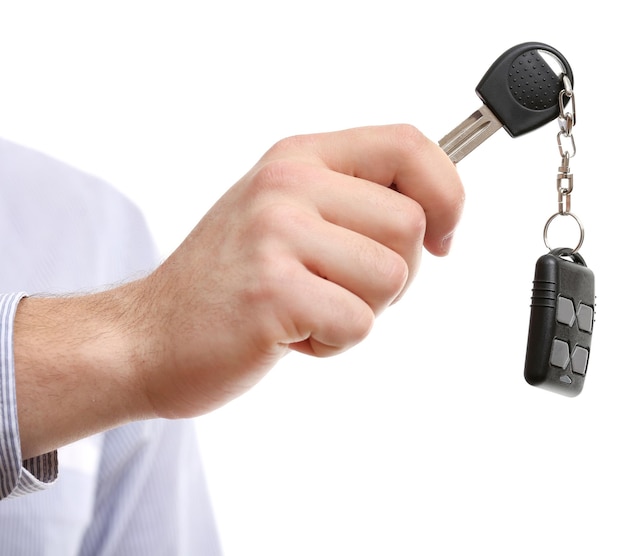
520, 92
561, 323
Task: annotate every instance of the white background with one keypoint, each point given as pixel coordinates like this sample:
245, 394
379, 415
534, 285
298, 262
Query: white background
424, 439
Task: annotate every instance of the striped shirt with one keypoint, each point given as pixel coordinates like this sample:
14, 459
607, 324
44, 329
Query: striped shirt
138, 489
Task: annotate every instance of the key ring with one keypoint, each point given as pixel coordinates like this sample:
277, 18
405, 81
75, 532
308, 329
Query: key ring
580, 228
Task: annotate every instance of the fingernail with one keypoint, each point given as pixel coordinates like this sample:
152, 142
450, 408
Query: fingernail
446, 243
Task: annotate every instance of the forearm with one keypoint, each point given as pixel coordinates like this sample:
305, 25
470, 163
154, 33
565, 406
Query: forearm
74, 368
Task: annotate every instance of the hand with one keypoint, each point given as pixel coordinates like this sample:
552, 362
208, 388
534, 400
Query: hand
302, 253
318, 238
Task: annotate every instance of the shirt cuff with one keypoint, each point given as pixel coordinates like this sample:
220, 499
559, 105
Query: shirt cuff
17, 477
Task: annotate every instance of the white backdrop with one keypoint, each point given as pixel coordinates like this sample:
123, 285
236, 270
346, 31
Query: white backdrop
424, 439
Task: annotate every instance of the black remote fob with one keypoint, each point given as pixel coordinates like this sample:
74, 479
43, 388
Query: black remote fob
562, 315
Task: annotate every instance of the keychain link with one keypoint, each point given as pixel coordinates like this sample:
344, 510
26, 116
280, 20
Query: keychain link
566, 120
565, 179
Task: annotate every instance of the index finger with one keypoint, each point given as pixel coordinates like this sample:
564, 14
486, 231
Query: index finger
394, 155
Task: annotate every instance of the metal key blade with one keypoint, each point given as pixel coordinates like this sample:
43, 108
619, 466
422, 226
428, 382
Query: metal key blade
464, 138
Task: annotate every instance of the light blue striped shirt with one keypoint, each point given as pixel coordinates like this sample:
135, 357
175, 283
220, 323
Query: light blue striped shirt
135, 490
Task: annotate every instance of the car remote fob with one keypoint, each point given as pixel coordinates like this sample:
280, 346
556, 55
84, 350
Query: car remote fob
561, 323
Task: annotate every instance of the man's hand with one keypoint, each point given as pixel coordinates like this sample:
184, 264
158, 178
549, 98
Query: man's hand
321, 235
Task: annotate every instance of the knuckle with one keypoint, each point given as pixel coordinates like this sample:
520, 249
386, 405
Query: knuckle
351, 328
395, 273
361, 327
276, 174
409, 138
410, 223
289, 145
275, 221
271, 273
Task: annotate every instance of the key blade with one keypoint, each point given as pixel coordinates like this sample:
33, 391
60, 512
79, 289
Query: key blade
464, 138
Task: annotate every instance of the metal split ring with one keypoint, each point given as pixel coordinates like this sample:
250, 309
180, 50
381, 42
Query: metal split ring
580, 228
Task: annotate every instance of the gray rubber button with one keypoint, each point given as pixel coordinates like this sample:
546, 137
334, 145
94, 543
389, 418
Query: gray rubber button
585, 317
560, 354
580, 356
565, 313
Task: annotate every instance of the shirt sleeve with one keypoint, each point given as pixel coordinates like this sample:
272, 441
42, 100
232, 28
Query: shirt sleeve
17, 477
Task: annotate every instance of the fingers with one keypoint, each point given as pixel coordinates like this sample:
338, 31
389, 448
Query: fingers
356, 244
325, 318
397, 155
379, 213
368, 269
324, 291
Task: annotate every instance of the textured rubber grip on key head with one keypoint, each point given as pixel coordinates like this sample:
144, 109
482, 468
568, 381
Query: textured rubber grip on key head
530, 96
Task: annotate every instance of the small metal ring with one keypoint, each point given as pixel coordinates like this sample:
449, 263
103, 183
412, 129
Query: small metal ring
580, 227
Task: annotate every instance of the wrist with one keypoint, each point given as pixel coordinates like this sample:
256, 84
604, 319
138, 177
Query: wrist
74, 368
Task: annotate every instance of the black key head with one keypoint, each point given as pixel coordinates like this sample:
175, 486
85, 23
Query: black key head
522, 89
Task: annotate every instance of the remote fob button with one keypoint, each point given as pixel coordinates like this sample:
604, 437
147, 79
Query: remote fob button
565, 313
580, 357
560, 354
566, 379
585, 317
